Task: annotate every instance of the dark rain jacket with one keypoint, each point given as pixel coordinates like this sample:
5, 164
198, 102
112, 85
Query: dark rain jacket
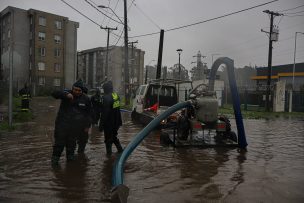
111, 116
97, 107
76, 113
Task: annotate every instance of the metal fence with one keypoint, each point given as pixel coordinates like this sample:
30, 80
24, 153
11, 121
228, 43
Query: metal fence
255, 100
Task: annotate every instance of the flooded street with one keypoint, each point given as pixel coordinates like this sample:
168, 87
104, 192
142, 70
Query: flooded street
271, 170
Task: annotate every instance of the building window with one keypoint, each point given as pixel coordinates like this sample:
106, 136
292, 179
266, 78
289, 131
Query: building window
41, 80
30, 51
3, 22
57, 39
41, 36
57, 82
8, 34
42, 21
41, 66
57, 68
3, 36
42, 51
57, 52
58, 25
30, 65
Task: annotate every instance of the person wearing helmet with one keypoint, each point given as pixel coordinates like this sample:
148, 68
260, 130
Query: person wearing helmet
110, 120
25, 98
73, 118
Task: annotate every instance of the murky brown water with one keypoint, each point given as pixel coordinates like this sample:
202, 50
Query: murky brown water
271, 170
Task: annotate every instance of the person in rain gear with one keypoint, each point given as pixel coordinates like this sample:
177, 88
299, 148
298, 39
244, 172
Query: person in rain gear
73, 119
25, 98
110, 120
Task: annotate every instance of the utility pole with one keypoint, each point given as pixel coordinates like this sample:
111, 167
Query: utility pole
107, 53
271, 38
126, 68
132, 61
160, 54
200, 65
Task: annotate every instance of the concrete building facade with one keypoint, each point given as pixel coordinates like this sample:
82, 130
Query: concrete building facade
92, 67
40, 48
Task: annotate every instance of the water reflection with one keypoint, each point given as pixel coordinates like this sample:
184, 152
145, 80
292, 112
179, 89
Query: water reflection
70, 181
271, 170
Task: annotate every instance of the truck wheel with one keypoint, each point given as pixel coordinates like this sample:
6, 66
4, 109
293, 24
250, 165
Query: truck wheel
134, 115
233, 136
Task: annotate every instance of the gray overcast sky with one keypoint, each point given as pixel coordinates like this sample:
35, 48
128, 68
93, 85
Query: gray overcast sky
237, 36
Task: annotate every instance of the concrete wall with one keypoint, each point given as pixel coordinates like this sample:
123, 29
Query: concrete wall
279, 96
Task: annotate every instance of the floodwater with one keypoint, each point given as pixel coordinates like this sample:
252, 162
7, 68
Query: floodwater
270, 171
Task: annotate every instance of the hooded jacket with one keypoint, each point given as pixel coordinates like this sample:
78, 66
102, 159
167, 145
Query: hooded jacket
111, 116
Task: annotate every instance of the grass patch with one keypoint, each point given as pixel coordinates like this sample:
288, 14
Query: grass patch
21, 117
18, 116
4, 126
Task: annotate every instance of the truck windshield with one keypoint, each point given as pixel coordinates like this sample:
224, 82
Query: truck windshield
167, 96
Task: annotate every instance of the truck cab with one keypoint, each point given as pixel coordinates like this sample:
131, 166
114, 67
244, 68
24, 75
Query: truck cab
153, 94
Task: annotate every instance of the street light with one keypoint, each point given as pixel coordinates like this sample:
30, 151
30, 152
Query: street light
294, 58
179, 51
102, 6
293, 70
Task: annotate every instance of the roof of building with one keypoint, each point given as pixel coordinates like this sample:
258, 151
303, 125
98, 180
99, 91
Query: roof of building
287, 70
275, 70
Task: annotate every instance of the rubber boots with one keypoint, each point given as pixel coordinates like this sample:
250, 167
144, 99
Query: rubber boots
118, 146
81, 148
109, 148
55, 161
70, 157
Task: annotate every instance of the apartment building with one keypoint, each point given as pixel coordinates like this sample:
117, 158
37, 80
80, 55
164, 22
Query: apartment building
92, 67
40, 48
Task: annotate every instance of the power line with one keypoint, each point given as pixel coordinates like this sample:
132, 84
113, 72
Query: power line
293, 15
122, 30
85, 16
294, 12
101, 12
81, 13
119, 37
291, 8
147, 16
220, 16
113, 10
211, 19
